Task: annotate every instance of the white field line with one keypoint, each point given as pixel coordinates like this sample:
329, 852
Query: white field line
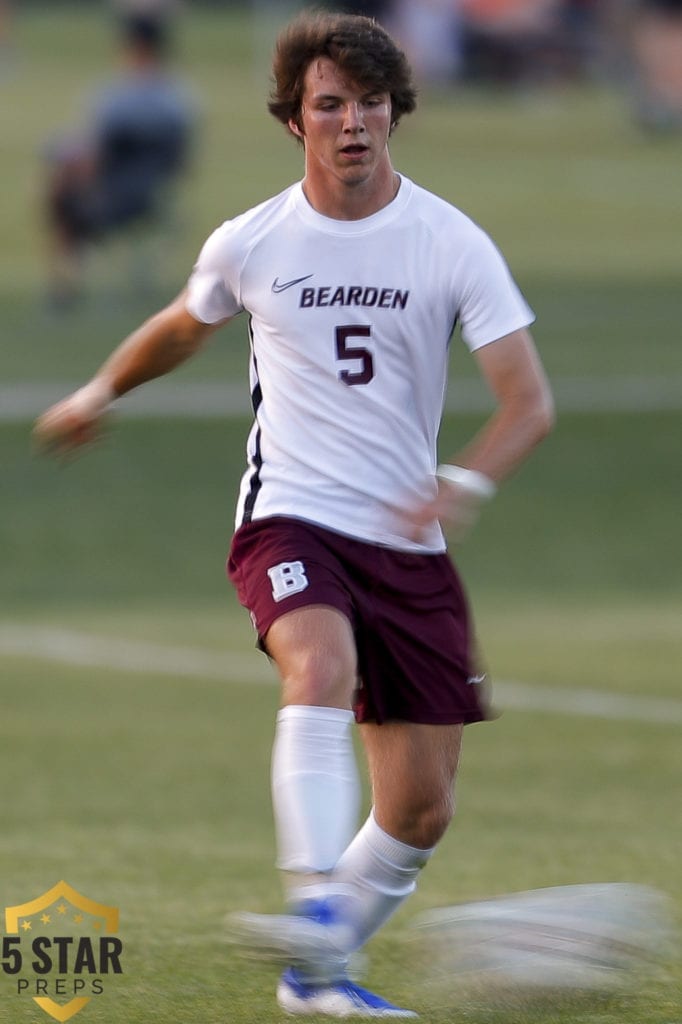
24, 400
71, 647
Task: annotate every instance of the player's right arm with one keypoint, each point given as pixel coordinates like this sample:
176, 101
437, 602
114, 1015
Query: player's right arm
163, 342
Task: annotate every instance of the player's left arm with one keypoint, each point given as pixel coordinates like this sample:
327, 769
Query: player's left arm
524, 415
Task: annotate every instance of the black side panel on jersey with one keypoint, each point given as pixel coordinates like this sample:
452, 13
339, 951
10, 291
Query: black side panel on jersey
255, 482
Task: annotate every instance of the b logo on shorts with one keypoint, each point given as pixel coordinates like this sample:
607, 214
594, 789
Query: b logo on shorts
287, 578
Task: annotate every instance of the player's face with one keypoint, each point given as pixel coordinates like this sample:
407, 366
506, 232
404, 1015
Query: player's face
345, 128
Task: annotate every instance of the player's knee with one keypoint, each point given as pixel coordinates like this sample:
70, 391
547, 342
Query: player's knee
319, 679
425, 825
434, 824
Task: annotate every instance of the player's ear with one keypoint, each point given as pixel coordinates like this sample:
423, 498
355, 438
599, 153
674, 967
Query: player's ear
295, 128
394, 119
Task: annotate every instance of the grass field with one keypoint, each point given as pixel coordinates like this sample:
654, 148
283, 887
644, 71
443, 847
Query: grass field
135, 717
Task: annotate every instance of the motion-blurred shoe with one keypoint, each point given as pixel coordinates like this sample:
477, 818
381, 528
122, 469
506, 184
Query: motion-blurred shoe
315, 940
337, 999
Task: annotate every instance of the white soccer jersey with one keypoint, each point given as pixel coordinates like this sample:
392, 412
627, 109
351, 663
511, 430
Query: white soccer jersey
350, 323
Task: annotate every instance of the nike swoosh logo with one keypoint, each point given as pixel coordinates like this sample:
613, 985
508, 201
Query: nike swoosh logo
277, 287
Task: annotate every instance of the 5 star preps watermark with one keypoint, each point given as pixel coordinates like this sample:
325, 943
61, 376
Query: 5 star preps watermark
60, 950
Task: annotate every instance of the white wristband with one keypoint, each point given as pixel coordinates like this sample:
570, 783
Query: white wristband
469, 479
93, 399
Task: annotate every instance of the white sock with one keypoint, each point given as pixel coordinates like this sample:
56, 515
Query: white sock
380, 872
315, 787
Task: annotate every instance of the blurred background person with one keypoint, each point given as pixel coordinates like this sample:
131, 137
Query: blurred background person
511, 41
119, 170
657, 50
582, 25
429, 31
159, 10
499, 42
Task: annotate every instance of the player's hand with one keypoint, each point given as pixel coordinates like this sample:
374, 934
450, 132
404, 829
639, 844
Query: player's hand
457, 503
455, 507
76, 421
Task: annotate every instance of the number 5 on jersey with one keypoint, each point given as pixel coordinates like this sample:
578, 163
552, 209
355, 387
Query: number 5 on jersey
364, 374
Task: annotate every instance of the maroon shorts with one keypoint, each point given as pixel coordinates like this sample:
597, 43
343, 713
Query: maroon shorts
408, 611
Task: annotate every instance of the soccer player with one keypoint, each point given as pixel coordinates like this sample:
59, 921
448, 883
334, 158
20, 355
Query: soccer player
353, 280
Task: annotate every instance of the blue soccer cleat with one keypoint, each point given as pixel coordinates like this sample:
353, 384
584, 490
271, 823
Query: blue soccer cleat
337, 999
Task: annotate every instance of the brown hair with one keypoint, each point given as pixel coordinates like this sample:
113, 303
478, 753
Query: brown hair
359, 47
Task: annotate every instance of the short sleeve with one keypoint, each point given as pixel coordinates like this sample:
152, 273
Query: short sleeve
212, 287
491, 304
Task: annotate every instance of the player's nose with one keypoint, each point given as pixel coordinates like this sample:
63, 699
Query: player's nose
353, 120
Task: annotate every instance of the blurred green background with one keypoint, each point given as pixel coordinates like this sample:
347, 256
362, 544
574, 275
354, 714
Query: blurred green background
135, 724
